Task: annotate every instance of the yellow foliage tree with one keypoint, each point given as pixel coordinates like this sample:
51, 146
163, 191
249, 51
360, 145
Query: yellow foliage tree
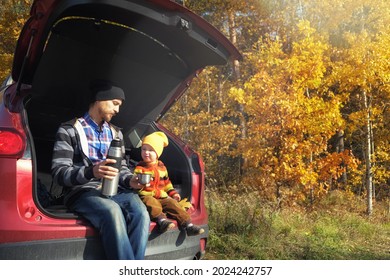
13, 14
292, 116
362, 72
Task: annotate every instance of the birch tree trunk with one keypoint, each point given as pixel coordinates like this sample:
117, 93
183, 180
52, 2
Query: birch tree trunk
368, 150
237, 74
340, 149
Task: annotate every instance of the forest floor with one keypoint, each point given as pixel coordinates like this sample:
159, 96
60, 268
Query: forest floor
246, 228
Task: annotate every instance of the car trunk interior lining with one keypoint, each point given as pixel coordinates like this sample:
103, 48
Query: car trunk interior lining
149, 78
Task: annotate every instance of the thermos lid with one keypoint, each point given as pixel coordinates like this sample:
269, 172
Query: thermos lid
116, 143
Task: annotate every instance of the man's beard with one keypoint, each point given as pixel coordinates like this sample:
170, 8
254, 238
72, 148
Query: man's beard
107, 117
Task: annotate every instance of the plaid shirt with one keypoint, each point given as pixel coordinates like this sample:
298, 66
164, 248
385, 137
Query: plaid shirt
71, 168
99, 139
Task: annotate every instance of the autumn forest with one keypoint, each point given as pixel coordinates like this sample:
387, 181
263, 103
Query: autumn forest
306, 109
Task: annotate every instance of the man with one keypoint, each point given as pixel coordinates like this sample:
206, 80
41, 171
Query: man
79, 164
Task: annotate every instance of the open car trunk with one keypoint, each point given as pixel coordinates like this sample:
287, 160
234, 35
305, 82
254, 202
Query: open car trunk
152, 49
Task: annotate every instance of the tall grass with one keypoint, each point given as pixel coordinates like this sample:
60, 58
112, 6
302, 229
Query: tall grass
245, 227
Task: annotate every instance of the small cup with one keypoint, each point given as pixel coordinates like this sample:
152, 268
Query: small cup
144, 179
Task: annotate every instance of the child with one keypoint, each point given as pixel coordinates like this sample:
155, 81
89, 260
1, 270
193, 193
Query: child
159, 195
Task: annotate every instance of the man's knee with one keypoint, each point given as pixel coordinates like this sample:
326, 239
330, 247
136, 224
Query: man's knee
111, 209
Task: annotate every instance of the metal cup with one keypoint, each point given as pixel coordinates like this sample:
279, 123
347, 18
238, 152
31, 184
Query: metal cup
144, 179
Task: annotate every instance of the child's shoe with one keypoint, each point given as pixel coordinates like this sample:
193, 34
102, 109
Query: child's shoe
193, 230
164, 225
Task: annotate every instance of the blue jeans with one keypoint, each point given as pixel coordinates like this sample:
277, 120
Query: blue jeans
122, 221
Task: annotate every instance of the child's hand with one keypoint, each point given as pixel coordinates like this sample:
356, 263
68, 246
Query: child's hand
148, 184
136, 185
176, 197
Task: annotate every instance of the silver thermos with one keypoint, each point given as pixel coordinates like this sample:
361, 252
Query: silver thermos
110, 187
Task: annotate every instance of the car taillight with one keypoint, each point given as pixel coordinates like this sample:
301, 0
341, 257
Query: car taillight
11, 143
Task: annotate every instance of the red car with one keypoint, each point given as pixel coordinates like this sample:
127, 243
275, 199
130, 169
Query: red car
153, 49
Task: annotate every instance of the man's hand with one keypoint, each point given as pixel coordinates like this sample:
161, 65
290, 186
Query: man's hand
102, 170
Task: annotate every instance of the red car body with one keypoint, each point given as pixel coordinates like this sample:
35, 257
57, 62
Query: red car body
154, 48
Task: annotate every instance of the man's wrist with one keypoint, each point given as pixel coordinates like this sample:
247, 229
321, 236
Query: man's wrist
88, 173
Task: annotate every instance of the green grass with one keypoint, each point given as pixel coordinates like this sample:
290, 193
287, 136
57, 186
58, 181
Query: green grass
246, 228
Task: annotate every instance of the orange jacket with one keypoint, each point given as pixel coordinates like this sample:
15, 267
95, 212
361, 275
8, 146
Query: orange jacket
160, 186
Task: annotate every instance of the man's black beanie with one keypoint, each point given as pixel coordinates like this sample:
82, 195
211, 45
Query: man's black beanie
105, 90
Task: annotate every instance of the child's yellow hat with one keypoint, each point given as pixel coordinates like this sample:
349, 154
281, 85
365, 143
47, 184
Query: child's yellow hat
158, 140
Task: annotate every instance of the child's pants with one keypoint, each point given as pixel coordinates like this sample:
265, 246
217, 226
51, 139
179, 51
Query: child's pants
158, 207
